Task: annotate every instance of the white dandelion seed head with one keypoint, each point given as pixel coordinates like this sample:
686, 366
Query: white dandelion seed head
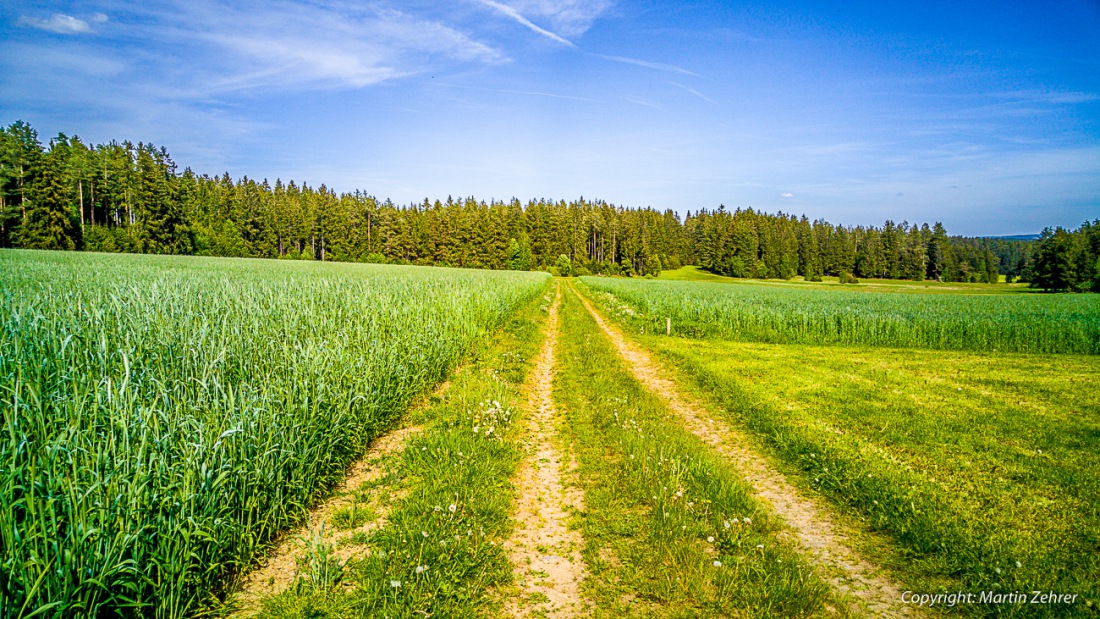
710, 539
452, 507
761, 546
424, 533
717, 564
997, 569
1018, 564
395, 583
748, 520
726, 524
420, 569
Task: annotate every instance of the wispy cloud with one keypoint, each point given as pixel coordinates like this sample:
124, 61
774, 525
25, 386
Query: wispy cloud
59, 23
570, 18
787, 195
1052, 97
641, 101
514, 14
694, 92
287, 46
649, 65
529, 93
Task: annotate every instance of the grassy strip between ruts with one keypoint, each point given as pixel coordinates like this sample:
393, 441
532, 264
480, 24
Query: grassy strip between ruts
670, 529
440, 551
980, 466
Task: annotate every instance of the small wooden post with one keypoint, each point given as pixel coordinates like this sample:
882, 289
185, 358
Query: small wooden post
668, 325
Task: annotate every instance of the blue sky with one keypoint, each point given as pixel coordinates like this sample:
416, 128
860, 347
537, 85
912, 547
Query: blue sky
982, 115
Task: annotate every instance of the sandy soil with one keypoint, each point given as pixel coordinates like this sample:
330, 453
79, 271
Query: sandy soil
281, 566
544, 552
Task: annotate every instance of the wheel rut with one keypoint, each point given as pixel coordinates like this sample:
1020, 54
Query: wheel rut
814, 527
545, 553
280, 568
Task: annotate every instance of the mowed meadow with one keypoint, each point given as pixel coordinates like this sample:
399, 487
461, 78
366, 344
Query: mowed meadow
959, 432
165, 417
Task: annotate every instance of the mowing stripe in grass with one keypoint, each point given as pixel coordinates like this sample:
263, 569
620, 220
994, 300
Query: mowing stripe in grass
981, 470
816, 530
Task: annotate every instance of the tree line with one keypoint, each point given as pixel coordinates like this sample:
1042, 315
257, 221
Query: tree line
1068, 260
122, 197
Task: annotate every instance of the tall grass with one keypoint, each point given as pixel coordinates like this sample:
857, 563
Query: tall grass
782, 315
163, 418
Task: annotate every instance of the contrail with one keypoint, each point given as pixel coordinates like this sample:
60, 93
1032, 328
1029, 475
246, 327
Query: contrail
514, 14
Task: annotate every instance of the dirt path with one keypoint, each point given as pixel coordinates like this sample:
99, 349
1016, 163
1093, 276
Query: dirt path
280, 568
815, 528
544, 552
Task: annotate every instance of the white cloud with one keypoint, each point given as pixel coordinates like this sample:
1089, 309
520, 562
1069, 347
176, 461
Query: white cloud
286, 46
571, 18
788, 195
58, 23
518, 17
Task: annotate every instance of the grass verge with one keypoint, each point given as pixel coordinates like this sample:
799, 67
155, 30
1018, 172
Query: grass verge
440, 552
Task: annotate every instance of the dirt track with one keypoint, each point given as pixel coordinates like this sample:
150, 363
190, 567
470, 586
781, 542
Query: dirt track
814, 527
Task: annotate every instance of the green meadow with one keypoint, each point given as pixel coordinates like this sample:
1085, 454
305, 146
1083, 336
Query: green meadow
967, 469
833, 314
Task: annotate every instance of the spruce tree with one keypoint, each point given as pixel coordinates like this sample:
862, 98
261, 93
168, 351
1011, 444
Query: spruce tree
50, 222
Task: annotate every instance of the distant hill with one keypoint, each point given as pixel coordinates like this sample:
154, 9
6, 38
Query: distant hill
1015, 237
